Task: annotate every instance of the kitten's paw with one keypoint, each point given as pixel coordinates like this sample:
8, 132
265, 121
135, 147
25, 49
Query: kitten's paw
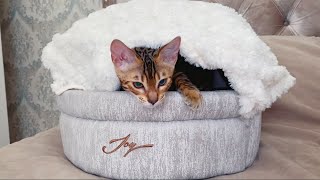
193, 99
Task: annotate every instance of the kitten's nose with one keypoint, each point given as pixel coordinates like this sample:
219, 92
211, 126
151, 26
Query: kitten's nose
152, 98
153, 101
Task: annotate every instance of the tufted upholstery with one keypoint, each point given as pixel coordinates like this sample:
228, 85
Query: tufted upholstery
279, 17
275, 17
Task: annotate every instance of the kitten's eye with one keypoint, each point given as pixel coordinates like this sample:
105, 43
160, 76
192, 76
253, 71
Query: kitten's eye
162, 82
138, 85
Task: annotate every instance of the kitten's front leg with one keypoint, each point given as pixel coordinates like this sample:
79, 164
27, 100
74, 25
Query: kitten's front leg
190, 92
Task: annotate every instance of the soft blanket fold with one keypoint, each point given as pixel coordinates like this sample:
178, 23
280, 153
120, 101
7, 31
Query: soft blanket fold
213, 36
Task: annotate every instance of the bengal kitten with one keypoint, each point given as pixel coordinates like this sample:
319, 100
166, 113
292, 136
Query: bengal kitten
149, 73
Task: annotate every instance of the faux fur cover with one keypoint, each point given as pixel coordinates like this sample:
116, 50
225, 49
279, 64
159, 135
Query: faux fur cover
213, 36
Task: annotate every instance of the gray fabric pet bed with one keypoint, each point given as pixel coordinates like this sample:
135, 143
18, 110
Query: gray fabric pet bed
186, 144
111, 134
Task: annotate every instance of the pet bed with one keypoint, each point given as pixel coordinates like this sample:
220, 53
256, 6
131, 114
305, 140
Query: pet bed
110, 134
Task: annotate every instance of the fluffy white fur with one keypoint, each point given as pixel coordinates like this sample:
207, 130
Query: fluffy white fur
213, 36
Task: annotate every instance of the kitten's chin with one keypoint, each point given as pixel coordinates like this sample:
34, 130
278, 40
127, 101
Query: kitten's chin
148, 105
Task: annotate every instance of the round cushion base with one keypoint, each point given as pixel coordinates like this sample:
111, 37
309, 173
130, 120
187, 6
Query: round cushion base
175, 149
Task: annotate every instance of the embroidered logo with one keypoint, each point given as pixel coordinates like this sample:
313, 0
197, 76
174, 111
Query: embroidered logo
125, 143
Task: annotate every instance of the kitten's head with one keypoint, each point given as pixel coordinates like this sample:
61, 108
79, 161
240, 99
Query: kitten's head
145, 72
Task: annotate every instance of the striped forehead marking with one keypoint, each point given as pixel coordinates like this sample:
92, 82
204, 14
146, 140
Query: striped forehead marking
147, 56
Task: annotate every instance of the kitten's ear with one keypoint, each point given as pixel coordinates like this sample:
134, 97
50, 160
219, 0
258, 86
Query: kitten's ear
122, 56
169, 52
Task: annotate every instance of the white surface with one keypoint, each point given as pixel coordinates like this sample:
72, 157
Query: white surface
4, 128
213, 36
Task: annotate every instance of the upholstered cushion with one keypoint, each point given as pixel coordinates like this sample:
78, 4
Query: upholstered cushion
275, 17
279, 17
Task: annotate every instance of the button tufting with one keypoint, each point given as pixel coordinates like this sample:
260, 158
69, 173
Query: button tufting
286, 23
266, 16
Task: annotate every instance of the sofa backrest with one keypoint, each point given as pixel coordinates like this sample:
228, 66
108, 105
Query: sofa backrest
274, 17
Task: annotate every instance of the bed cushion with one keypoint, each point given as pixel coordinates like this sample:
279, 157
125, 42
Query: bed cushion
122, 106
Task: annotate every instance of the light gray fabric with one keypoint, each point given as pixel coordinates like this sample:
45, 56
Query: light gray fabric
189, 149
182, 149
122, 106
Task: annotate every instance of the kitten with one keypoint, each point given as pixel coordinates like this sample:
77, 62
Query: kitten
149, 73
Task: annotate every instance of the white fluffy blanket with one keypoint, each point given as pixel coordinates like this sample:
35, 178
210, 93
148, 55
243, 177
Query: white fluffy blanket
213, 36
